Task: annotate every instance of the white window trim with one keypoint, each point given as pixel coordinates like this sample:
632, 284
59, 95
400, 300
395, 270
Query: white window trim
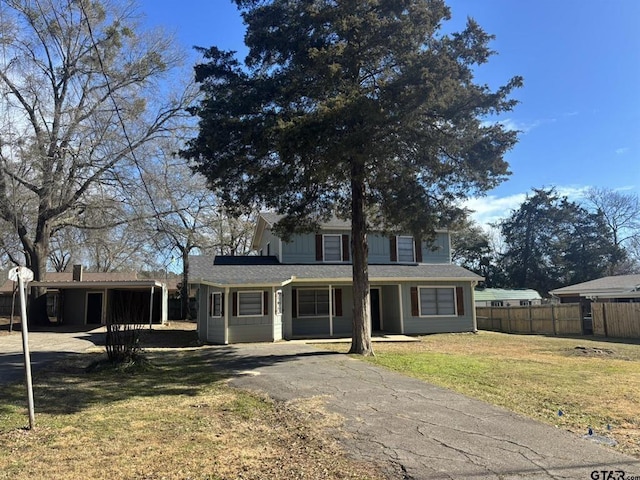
261, 314
212, 305
413, 248
332, 302
455, 301
339, 243
277, 301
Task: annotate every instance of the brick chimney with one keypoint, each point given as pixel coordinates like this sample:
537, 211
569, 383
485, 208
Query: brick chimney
77, 273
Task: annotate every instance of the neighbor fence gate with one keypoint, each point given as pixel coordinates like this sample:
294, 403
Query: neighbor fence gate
621, 320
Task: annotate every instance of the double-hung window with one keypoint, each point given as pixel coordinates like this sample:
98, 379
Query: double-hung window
250, 304
406, 249
332, 248
215, 304
437, 301
313, 303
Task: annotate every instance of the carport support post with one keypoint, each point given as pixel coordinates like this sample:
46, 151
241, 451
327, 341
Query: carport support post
151, 309
27, 357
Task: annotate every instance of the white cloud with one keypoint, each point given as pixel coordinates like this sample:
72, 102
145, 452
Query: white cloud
622, 151
490, 209
524, 127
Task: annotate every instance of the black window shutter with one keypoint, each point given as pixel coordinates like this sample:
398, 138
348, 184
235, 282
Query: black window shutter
460, 300
337, 299
418, 243
265, 303
415, 311
294, 303
234, 301
319, 255
345, 248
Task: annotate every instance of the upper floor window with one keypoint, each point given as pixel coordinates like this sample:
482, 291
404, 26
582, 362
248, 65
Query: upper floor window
332, 248
406, 252
405, 249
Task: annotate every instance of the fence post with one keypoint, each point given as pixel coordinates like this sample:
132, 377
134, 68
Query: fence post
530, 319
553, 319
604, 319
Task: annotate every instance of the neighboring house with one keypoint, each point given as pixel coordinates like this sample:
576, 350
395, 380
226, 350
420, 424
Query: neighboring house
619, 288
303, 287
85, 298
500, 297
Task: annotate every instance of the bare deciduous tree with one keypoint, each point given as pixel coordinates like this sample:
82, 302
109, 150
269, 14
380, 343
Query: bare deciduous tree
72, 75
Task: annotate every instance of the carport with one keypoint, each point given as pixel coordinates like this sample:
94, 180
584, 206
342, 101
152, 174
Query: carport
96, 302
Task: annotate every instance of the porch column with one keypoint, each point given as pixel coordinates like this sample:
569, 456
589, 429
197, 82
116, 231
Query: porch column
473, 306
151, 309
227, 306
330, 313
401, 309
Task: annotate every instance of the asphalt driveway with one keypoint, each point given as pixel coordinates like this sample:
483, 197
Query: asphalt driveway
418, 430
44, 346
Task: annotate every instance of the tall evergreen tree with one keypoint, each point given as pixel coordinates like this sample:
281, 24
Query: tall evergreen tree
552, 242
358, 108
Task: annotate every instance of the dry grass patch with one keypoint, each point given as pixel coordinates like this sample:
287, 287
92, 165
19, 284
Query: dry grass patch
594, 383
173, 419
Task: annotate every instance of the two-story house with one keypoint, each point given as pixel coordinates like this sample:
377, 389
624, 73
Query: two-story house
303, 287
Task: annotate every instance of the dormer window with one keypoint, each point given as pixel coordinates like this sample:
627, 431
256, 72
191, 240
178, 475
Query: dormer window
332, 248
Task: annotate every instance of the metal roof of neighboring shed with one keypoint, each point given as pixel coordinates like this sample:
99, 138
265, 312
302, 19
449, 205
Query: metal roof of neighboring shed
498, 294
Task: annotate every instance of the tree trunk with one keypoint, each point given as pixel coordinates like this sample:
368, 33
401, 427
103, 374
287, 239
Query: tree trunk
36, 255
361, 336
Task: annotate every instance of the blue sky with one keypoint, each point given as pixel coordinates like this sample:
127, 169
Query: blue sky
579, 109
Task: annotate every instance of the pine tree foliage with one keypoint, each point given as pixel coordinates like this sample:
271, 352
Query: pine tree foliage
359, 108
552, 242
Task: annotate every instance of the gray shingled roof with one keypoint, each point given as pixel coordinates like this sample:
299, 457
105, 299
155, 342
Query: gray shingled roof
614, 284
334, 222
202, 270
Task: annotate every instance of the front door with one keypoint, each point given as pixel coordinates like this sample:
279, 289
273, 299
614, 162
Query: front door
374, 299
94, 308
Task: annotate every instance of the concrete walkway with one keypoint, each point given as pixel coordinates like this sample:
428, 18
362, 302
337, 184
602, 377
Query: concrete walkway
418, 430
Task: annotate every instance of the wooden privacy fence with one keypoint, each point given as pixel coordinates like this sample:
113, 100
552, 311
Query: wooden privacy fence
620, 320
565, 319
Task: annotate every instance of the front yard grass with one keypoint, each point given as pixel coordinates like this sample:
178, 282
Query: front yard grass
173, 418
594, 383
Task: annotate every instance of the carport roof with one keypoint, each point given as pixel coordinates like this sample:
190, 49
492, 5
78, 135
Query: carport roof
87, 284
203, 270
